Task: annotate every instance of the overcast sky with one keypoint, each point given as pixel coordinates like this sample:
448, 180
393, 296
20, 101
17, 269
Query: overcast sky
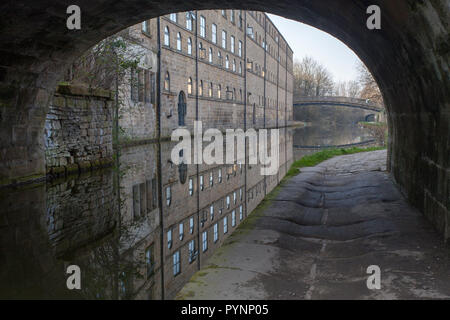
339, 59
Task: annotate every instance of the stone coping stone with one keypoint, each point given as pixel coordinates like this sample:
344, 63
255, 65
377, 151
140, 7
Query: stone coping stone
81, 90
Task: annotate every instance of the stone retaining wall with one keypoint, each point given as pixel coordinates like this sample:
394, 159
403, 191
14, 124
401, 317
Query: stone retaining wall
78, 130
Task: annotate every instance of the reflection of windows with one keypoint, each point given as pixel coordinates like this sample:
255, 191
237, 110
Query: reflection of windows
192, 252
216, 232
191, 225
144, 198
225, 225
169, 239
168, 196
181, 231
204, 241
176, 263
191, 186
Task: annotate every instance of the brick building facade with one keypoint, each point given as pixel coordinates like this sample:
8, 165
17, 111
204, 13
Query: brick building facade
229, 69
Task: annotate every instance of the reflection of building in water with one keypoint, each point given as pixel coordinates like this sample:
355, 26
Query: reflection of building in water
141, 231
332, 122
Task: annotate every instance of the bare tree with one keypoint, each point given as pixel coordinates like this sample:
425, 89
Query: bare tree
369, 87
347, 89
311, 78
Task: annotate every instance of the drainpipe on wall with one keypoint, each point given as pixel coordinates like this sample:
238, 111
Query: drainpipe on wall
159, 161
245, 111
197, 166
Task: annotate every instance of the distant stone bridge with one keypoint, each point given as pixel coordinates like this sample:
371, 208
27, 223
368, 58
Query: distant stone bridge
338, 101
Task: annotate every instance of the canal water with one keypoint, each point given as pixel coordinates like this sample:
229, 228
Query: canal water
108, 224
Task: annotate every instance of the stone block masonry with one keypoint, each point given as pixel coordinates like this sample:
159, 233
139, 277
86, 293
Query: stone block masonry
78, 130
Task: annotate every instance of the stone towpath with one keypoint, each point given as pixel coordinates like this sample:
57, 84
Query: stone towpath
317, 237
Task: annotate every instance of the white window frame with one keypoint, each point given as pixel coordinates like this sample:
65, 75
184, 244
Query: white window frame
205, 240
214, 33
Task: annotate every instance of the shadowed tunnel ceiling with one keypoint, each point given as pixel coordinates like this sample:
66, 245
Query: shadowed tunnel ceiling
409, 57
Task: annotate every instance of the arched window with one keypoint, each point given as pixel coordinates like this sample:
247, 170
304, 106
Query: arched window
166, 36
219, 56
234, 65
167, 82
227, 62
219, 91
179, 41
200, 88
189, 42
190, 85
210, 55
210, 90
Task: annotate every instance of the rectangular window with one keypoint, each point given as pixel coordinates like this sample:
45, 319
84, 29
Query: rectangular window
233, 218
240, 48
189, 20
168, 196
225, 225
191, 186
176, 263
202, 186
211, 212
216, 232
145, 26
147, 84
191, 225
220, 175
241, 213
211, 179
228, 202
214, 33
234, 197
169, 239
202, 26
192, 252
240, 194
181, 231
205, 241
232, 44
152, 88
224, 39
173, 17
232, 16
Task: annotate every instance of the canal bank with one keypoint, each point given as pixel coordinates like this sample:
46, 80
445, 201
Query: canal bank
319, 234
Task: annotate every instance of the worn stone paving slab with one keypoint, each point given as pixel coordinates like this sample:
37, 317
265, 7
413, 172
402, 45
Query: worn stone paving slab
319, 235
